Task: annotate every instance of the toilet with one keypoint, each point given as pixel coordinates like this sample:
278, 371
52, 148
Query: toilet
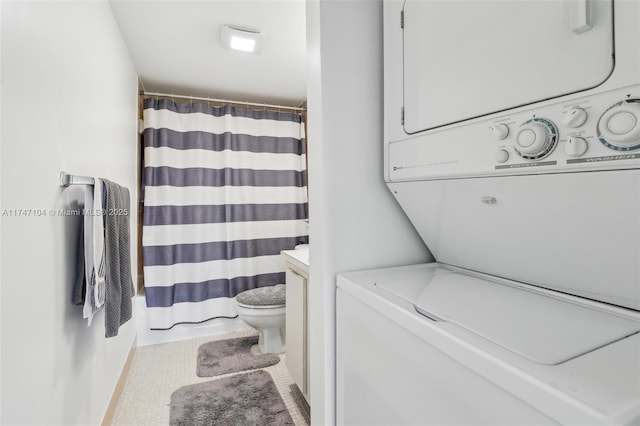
263, 308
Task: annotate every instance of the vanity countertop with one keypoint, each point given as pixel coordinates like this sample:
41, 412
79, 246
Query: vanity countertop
299, 258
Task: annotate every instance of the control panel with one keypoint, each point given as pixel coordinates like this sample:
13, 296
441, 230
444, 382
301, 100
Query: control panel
599, 132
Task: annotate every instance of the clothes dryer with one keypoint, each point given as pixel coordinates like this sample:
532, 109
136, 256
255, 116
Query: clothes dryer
512, 143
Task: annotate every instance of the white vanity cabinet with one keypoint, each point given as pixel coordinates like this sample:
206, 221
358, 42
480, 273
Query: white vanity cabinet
297, 334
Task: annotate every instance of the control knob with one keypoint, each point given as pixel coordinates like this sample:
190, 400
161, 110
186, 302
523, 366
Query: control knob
502, 155
536, 139
500, 131
575, 117
576, 146
619, 126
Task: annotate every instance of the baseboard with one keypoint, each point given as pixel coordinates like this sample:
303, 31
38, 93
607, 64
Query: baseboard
111, 409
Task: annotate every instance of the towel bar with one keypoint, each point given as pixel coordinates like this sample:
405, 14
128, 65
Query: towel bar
66, 179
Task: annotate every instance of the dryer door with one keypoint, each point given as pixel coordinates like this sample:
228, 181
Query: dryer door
499, 55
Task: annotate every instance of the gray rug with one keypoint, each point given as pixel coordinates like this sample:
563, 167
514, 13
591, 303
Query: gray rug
230, 356
242, 399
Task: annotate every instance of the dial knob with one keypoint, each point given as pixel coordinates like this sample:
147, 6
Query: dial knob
500, 131
576, 146
619, 126
502, 155
575, 117
536, 139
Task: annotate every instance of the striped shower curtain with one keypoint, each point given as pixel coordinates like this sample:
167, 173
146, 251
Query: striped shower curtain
224, 193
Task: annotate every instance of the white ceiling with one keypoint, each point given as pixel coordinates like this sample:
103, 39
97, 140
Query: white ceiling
176, 48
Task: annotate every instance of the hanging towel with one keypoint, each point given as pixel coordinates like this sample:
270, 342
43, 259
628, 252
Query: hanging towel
84, 287
90, 307
79, 286
118, 281
98, 243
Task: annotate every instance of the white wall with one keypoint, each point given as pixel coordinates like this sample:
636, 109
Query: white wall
355, 222
68, 103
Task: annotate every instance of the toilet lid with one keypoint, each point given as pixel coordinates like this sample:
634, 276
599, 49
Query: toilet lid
263, 297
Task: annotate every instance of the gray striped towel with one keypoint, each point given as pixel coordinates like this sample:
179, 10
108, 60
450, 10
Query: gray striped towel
118, 282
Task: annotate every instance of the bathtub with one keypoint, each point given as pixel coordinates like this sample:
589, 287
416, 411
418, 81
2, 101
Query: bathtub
181, 331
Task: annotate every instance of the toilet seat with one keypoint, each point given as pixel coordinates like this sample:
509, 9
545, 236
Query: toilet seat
243, 305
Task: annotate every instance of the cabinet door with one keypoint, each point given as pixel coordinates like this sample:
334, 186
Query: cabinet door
296, 321
466, 59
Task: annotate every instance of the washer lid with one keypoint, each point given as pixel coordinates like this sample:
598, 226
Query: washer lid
542, 327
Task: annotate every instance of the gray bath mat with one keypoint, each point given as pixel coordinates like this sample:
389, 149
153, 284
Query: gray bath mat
230, 356
243, 399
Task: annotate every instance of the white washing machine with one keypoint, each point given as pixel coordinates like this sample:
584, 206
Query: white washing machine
512, 143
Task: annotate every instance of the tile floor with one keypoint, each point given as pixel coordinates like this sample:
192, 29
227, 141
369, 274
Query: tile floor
158, 370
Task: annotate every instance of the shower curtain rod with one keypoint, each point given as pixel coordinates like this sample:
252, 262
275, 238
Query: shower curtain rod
197, 98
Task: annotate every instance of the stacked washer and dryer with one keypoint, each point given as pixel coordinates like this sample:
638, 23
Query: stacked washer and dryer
512, 143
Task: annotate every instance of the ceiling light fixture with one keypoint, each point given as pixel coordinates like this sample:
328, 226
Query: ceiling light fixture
241, 39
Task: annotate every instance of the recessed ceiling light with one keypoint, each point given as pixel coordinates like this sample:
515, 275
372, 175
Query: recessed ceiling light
241, 39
